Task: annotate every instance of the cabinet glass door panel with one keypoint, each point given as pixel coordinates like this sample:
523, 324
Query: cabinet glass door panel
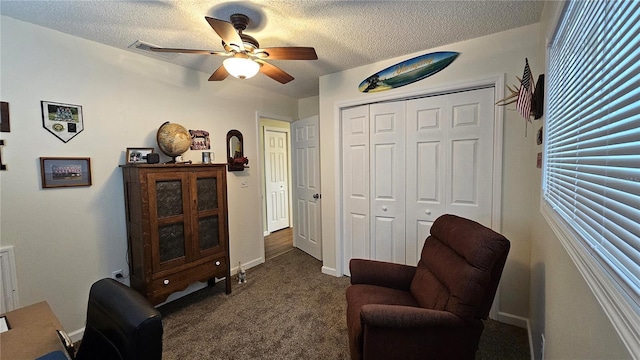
169, 198
171, 241
207, 188
169, 219
209, 232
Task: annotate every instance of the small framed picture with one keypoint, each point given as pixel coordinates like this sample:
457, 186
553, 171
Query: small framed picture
200, 140
65, 172
138, 155
62, 120
4, 117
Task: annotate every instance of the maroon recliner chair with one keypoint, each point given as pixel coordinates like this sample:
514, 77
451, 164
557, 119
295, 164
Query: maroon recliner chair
434, 310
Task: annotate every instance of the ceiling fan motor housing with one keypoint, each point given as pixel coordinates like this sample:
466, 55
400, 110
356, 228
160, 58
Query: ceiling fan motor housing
239, 21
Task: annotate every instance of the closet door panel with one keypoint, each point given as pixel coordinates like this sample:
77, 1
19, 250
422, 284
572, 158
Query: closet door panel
470, 143
387, 180
426, 161
355, 185
464, 172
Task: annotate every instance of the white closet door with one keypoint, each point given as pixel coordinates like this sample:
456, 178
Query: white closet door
355, 184
426, 169
387, 175
470, 174
406, 163
449, 161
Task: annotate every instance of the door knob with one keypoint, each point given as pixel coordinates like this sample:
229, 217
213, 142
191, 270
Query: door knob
316, 196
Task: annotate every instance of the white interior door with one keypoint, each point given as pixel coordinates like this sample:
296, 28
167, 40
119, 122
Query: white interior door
277, 179
306, 157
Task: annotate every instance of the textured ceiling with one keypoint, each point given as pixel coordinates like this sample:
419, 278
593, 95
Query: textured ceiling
345, 34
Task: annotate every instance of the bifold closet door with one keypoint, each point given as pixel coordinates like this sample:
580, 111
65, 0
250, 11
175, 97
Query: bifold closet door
405, 163
373, 183
449, 161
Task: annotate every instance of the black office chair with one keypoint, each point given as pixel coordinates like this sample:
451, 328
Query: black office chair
121, 325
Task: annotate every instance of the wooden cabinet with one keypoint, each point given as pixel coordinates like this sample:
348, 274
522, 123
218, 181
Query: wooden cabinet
177, 226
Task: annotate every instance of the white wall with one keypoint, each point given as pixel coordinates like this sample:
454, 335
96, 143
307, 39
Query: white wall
563, 308
308, 107
484, 57
65, 239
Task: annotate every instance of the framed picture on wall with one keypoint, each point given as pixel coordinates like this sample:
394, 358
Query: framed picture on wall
4, 117
62, 120
138, 155
65, 171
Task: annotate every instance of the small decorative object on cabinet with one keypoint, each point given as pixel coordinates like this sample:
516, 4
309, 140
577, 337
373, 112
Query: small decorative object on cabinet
177, 226
173, 140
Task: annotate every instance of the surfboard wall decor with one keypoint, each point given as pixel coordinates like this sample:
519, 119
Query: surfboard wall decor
408, 71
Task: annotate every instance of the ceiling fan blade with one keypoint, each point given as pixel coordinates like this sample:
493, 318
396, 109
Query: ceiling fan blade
189, 51
288, 53
274, 72
220, 74
227, 32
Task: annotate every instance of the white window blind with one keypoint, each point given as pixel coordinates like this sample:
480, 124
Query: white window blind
592, 146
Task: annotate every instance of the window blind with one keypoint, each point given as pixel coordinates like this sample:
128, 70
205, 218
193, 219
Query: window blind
591, 174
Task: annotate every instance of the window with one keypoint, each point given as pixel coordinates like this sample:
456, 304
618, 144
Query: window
591, 181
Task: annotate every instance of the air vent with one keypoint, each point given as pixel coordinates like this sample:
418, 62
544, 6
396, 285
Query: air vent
146, 48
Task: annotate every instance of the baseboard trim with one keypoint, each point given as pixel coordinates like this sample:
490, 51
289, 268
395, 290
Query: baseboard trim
249, 264
76, 336
329, 271
514, 320
520, 322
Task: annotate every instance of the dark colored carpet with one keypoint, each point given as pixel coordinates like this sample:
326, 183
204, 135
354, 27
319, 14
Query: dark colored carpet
288, 309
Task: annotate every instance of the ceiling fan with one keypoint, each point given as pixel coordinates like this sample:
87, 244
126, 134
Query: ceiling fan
245, 58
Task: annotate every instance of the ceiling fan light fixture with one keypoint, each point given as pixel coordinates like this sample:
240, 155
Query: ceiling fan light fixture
241, 67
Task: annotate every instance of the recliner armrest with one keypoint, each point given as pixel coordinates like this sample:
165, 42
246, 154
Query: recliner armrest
396, 316
380, 273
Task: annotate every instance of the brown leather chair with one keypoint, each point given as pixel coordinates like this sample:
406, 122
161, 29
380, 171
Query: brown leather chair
434, 310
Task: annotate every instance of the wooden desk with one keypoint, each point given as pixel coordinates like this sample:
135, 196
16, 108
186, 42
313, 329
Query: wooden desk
32, 333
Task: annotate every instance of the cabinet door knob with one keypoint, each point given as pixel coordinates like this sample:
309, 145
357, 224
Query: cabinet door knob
218, 263
166, 281
428, 212
384, 208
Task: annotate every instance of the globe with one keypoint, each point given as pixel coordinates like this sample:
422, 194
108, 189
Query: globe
173, 139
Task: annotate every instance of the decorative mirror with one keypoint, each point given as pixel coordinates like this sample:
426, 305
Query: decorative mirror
235, 151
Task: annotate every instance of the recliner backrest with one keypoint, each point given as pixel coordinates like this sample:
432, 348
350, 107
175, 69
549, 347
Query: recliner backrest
121, 324
460, 267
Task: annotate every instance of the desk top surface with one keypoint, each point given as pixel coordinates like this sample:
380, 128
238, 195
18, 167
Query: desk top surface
32, 333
